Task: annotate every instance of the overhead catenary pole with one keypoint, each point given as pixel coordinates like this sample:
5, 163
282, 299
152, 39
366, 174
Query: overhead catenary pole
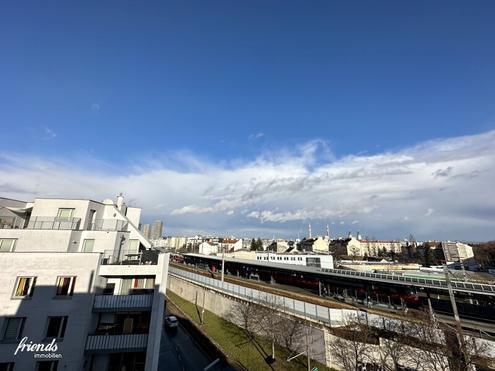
223, 263
460, 337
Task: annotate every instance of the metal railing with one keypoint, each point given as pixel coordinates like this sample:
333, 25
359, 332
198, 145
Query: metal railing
127, 342
129, 257
114, 302
478, 288
11, 222
123, 257
53, 223
109, 225
330, 316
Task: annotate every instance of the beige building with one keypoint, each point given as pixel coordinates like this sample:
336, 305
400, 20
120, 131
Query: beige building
457, 251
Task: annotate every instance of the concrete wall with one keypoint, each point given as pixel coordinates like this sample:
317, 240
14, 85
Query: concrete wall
223, 306
42, 240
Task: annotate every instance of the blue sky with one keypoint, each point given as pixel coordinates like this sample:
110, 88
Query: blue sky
127, 90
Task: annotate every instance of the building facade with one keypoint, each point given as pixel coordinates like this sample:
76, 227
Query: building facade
81, 283
156, 231
308, 260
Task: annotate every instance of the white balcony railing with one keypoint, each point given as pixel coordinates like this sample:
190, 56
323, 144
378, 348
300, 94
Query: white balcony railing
115, 302
109, 225
122, 343
53, 223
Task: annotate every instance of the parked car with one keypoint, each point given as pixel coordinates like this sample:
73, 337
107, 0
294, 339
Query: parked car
171, 322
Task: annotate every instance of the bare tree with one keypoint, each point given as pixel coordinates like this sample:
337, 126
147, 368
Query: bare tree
395, 352
465, 352
269, 319
244, 314
351, 347
266, 319
429, 345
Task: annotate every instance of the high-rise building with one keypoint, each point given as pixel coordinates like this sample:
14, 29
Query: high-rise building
91, 255
145, 228
156, 230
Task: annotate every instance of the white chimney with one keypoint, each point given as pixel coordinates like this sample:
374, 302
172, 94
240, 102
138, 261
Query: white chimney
120, 201
359, 236
349, 235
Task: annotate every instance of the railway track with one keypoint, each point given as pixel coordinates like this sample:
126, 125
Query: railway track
307, 297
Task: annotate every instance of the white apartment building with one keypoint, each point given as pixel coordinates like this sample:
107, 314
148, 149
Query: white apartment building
230, 244
176, 243
206, 248
79, 275
308, 260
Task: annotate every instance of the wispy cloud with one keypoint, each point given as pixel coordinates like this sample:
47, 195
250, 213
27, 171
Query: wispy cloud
283, 191
96, 107
256, 136
49, 134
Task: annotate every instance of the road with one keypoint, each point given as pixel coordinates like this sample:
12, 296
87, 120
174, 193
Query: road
179, 351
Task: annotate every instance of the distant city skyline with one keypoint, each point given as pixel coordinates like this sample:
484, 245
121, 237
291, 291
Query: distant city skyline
377, 117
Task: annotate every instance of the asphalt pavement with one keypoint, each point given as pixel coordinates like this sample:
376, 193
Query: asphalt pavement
179, 351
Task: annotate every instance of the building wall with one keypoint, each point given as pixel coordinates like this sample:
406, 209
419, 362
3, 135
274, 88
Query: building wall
224, 306
134, 215
47, 267
206, 249
42, 240
326, 261
320, 245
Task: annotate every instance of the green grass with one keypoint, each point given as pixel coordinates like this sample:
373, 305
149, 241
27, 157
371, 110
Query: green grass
233, 342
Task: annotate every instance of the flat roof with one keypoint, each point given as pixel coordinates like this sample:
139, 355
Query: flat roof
262, 263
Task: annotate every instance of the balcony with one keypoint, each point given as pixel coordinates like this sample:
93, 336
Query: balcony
109, 225
116, 343
129, 257
11, 222
122, 302
53, 223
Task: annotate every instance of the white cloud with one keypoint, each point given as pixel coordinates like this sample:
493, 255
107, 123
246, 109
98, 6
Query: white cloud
286, 189
96, 107
49, 134
256, 136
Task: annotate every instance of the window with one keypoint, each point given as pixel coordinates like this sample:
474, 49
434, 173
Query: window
24, 287
313, 262
7, 244
88, 245
134, 245
56, 327
137, 285
109, 289
6, 366
65, 214
12, 328
47, 366
65, 285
